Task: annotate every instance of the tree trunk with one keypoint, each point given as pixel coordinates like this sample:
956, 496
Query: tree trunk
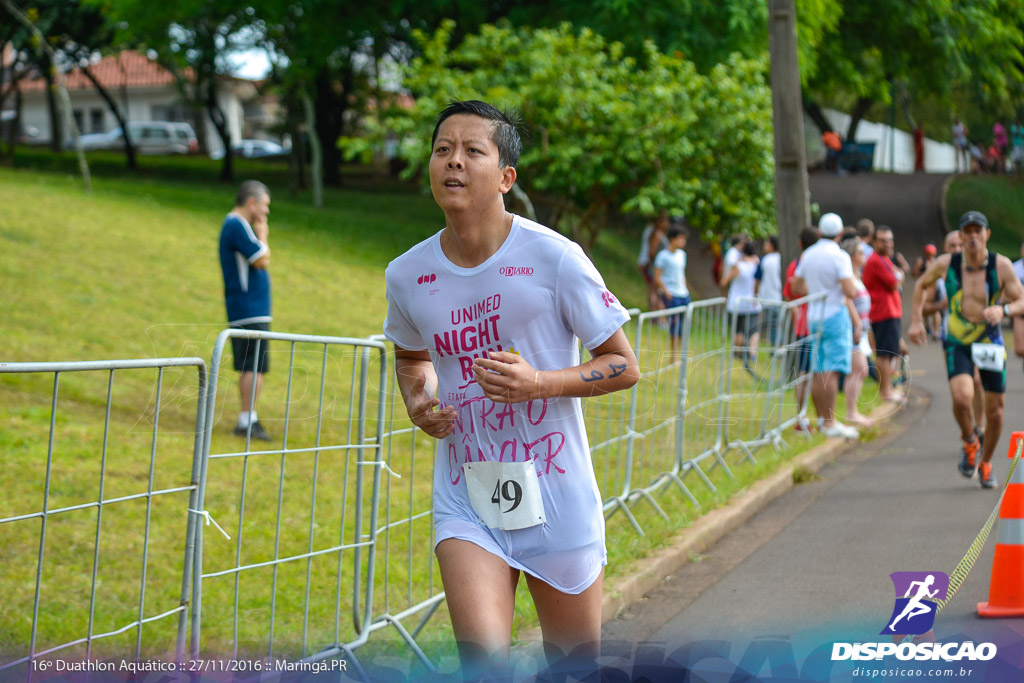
330, 110
227, 170
56, 129
315, 160
817, 115
129, 150
15, 127
859, 110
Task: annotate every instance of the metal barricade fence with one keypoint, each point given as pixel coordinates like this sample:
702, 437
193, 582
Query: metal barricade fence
365, 562
410, 586
656, 429
761, 394
113, 546
261, 588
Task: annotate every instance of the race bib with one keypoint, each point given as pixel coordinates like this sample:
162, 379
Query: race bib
506, 495
988, 356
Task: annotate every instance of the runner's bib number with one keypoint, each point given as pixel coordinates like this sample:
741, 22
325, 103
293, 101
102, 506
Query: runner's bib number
506, 495
989, 356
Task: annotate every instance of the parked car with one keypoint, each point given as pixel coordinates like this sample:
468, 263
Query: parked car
254, 149
149, 137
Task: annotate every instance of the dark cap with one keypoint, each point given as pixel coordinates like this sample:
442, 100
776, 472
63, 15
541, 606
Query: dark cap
973, 218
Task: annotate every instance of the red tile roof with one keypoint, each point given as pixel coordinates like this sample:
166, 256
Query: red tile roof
128, 68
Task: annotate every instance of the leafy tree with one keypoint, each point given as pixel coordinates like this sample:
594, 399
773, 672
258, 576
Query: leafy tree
191, 39
607, 133
928, 47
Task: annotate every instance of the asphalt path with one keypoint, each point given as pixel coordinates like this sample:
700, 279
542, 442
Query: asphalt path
813, 567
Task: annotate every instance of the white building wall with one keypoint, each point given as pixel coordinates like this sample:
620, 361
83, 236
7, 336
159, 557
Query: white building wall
141, 103
894, 149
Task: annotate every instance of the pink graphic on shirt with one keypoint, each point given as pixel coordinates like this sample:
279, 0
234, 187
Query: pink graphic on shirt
485, 430
608, 298
479, 419
474, 335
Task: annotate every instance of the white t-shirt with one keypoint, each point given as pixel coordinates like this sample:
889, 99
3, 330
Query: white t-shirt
644, 259
771, 277
673, 271
822, 266
1018, 269
742, 286
731, 257
536, 295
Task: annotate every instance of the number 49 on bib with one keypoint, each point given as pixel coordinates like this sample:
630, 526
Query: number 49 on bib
506, 495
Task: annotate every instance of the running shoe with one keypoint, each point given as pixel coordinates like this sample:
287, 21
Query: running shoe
803, 425
258, 432
840, 430
969, 457
988, 480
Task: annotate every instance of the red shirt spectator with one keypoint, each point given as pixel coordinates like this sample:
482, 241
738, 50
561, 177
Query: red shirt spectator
882, 280
800, 314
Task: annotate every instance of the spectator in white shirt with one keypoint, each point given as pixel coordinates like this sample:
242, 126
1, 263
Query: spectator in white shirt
769, 286
740, 282
827, 268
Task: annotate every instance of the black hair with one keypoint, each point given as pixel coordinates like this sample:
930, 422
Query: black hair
250, 189
749, 249
506, 127
774, 241
808, 237
675, 232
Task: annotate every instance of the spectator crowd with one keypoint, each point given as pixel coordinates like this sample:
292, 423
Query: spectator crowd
866, 283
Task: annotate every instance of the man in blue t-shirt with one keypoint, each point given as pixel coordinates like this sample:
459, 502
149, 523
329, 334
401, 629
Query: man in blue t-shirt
244, 260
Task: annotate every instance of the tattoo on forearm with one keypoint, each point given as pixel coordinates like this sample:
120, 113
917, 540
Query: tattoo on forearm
596, 374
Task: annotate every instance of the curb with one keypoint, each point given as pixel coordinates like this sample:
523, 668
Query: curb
715, 524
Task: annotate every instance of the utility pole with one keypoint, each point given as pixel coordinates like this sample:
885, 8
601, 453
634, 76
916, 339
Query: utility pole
792, 196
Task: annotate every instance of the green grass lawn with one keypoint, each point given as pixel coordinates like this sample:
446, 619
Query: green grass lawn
131, 271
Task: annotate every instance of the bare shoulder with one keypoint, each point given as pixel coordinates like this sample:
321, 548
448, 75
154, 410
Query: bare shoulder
1005, 272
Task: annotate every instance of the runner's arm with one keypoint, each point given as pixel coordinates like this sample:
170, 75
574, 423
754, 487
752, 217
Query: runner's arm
417, 381
930, 304
508, 378
1013, 292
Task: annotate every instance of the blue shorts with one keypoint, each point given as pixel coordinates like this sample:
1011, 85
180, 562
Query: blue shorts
836, 344
675, 322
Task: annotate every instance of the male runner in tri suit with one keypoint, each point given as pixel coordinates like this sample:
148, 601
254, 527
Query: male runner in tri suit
975, 280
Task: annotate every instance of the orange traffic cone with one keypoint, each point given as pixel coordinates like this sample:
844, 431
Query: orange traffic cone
1006, 590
